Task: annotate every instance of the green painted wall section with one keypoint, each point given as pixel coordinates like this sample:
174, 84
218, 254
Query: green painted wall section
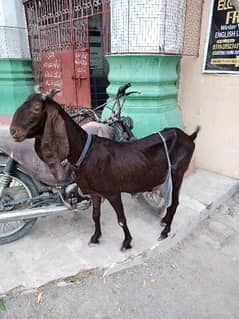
156, 77
16, 83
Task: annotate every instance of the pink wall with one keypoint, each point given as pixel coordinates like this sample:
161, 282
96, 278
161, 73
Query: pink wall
5, 120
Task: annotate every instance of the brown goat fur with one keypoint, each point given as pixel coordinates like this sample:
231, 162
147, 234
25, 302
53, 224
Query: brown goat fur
110, 167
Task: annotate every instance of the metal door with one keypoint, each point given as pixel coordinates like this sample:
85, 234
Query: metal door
65, 62
59, 43
82, 62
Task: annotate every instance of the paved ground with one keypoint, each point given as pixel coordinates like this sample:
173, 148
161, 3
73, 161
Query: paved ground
199, 279
57, 247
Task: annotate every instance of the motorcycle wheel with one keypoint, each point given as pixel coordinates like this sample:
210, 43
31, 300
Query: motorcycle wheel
20, 187
153, 201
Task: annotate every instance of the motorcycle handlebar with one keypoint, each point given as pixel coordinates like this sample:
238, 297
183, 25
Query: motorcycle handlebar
122, 90
80, 113
132, 92
85, 112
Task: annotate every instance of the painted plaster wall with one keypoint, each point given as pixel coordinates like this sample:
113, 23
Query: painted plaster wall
152, 26
13, 33
212, 101
16, 79
139, 29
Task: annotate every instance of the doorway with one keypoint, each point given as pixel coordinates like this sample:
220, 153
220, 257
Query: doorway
98, 64
67, 40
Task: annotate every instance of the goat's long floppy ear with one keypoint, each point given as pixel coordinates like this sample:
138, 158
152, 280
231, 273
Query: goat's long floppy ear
54, 144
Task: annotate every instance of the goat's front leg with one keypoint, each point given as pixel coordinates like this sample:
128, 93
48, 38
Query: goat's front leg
96, 217
116, 203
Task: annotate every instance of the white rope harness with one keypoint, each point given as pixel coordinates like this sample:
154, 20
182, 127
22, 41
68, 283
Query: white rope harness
167, 187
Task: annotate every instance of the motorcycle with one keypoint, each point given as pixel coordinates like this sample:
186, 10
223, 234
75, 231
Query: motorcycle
27, 187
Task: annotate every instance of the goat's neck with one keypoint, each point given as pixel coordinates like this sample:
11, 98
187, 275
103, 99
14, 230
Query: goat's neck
77, 138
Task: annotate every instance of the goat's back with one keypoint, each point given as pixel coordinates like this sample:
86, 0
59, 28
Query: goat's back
135, 166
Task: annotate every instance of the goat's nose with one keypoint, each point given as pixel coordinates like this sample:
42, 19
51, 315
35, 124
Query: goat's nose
13, 131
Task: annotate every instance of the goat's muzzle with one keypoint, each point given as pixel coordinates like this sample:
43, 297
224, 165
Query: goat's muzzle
17, 134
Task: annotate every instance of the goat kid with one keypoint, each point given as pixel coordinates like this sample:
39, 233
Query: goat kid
109, 167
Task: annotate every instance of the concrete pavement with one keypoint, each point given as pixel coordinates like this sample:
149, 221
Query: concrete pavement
198, 278
57, 247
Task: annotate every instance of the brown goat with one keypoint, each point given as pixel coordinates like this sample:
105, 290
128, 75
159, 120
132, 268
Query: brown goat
109, 167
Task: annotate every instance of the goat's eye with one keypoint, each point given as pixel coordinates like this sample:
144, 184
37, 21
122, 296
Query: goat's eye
36, 108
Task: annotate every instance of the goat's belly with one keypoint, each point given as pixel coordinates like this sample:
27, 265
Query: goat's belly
143, 187
130, 179
133, 184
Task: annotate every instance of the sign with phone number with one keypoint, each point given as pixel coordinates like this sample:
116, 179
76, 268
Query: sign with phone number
222, 54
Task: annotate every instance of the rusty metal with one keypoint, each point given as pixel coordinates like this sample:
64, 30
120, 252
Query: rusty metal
59, 42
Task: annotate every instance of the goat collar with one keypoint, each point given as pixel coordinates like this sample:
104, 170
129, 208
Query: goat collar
84, 151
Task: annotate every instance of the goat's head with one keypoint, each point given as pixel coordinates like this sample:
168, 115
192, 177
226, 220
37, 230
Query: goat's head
39, 116
29, 119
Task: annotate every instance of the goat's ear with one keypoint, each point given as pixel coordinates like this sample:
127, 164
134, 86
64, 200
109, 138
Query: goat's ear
54, 144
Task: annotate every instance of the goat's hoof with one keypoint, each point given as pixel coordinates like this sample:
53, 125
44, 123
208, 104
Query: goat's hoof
91, 245
162, 237
125, 246
93, 242
123, 249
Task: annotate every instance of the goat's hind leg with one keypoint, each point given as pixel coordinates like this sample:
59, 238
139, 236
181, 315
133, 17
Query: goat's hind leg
96, 217
167, 220
116, 203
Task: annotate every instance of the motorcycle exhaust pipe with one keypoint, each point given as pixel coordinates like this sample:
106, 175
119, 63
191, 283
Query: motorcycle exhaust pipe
21, 214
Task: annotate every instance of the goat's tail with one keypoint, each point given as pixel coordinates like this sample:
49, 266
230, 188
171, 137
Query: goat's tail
194, 135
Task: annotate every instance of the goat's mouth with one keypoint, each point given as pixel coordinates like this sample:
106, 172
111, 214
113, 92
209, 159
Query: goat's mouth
17, 134
19, 138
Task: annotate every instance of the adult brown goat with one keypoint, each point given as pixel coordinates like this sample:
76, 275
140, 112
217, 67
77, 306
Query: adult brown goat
109, 167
